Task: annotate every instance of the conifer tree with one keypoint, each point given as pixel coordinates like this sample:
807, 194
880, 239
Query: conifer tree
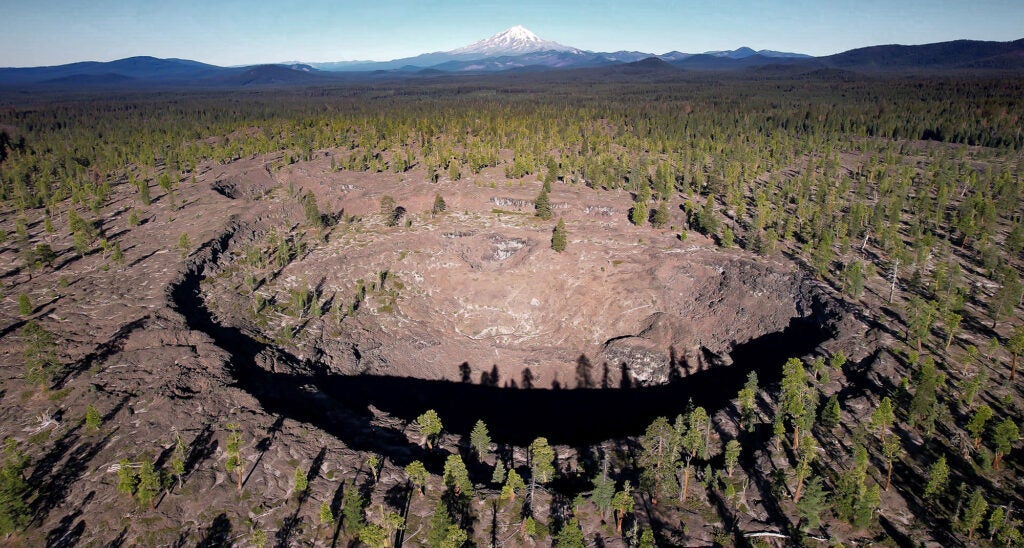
1015, 346
430, 427
417, 474
456, 476
542, 205
439, 205
558, 239
623, 504
974, 513
15, 513
126, 478
93, 420
1004, 436
938, 478
513, 484
234, 464
178, 460
149, 483
480, 439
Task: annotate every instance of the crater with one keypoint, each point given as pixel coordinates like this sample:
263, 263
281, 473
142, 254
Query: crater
476, 317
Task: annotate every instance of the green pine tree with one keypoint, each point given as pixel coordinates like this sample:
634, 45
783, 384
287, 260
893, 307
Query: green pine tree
558, 240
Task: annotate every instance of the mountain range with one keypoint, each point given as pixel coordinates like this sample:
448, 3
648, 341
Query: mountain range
515, 50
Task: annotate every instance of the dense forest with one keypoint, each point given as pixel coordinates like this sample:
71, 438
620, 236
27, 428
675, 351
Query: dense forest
903, 195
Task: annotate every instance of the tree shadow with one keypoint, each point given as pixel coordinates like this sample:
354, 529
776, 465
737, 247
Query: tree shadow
293, 522
114, 345
217, 534
490, 379
203, 446
527, 378
264, 444
583, 372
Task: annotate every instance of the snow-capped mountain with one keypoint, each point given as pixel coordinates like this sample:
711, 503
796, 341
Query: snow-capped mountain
514, 41
518, 48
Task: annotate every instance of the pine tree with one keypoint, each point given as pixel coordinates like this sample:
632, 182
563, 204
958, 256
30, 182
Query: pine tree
301, 481
623, 504
417, 474
1006, 298
797, 397
352, 510
498, 476
661, 216
480, 439
144, 192
234, 463
456, 476
570, 535
439, 205
542, 205
178, 460
513, 484
542, 458
1015, 346
558, 240
883, 418
891, 449
440, 522
149, 483
184, 244
25, 307
126, 478
430, 427
373, 535
313, 217
747, 400
638, 214
1004, 436
831, 414
694, 429
938, 478
93, 420
812, 504
659, 454
40, 354
974, 514
976, 426
15, 513
326, 515
374, 464
732, 455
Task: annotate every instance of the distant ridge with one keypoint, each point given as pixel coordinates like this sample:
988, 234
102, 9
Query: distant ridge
958, 54
150, 72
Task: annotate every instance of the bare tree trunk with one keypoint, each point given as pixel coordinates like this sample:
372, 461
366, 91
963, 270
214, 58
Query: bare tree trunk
686, 482
892, 289
888, 476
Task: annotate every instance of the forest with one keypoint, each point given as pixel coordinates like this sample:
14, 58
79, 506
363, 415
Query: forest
902, 196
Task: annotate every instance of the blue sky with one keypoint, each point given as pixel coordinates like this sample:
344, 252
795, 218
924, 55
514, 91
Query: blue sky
233, 32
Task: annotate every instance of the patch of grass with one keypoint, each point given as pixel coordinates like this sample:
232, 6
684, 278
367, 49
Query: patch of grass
58, 395
39, 437
497, 211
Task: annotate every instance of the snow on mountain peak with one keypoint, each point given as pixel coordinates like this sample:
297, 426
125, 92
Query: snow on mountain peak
513, 41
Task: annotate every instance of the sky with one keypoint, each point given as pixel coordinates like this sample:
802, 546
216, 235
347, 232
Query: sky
237, 32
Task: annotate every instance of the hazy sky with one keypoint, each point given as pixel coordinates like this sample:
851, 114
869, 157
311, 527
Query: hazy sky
234, 32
